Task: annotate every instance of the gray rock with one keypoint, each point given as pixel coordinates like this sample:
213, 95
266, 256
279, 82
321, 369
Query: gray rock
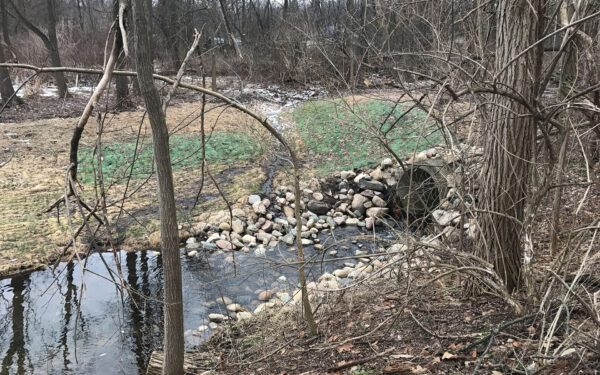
288, 211
352, 221
237, 243
237, 226
248, 239
217, 318
445, 218
343, 273
386, 163
318, 207
339, 220
193, 245
318, 196
372, 185
234, 307
244, 315
264, 237
266, 295
267, 226
259, 208
288, 239
260, 252
377, 212
331, 222
347, 175
368, 193
358, 202
377, 201
253, 199
239, 213
376, 174
209, 246
225, 245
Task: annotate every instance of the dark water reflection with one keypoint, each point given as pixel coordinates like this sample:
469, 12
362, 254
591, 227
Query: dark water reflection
41, 331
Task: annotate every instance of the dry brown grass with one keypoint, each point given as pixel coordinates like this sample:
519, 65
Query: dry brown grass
34, 179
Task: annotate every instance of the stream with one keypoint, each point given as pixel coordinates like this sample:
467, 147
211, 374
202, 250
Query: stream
41, 333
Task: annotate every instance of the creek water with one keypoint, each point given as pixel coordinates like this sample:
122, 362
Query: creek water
41, 331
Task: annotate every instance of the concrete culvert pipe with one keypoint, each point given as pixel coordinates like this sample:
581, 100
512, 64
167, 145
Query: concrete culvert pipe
421, 188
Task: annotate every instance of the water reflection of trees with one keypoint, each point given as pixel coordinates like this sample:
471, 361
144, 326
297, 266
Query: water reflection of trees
69, 307
145, 308
16, 348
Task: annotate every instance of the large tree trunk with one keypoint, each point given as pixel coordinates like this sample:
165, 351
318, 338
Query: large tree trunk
510, 142
123, 100
61, 82
6, 87
170, 24
173, 321
50, 42
4, 22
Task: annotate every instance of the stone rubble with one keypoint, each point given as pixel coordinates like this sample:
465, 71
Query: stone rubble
260, 222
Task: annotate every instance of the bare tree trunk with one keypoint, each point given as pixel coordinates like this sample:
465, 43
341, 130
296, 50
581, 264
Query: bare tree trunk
236, 47
122, 88
50, 42
6, 87
169, 23
173, 321
213, 68
568, 77
4, 22
121, 82
510, 142
61, 82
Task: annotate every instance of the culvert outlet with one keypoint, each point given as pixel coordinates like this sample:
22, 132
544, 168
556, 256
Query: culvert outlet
421, 187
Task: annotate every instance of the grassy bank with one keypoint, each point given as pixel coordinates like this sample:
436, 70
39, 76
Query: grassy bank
340, 135
186, 154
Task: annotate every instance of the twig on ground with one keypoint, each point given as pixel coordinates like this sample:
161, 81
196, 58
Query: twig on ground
344, 365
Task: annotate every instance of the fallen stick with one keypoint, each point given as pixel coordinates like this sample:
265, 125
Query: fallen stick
359, 361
